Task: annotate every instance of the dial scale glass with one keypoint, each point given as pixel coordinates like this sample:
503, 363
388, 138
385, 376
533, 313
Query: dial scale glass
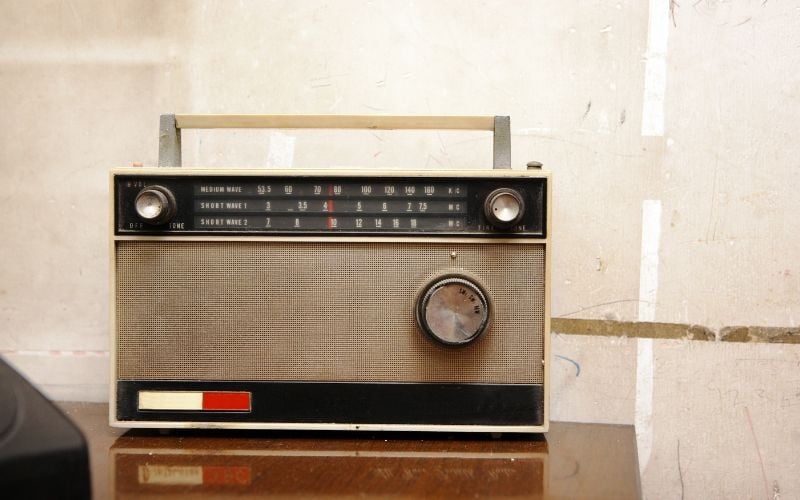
331, 205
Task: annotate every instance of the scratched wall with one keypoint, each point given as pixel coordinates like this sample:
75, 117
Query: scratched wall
670, 128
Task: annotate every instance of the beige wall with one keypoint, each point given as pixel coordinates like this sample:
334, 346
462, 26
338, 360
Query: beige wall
82, 84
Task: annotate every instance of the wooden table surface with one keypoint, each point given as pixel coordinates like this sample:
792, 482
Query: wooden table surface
571, 461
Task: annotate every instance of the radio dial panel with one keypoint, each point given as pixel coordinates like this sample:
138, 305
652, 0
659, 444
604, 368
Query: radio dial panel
270, 204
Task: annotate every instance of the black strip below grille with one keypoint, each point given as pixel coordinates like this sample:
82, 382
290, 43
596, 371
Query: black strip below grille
352, 403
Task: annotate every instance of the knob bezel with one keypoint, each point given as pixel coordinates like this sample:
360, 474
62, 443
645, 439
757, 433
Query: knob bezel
435, 284
167, 201
489, 213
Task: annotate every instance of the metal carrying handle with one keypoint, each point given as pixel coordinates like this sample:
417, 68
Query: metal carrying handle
169, 139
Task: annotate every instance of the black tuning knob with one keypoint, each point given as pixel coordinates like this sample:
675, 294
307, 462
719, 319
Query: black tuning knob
155, 205
504, 208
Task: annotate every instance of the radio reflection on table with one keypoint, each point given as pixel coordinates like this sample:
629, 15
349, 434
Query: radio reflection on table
190, 466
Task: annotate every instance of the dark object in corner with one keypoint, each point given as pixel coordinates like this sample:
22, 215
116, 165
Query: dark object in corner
42, 453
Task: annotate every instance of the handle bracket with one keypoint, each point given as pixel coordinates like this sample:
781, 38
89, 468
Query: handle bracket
169, 138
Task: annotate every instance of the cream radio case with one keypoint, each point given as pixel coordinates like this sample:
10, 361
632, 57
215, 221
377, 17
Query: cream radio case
330, 299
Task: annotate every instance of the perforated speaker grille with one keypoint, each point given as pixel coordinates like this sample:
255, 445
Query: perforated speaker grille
319, 311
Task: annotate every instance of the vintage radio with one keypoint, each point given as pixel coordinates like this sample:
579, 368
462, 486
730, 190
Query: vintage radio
330, 299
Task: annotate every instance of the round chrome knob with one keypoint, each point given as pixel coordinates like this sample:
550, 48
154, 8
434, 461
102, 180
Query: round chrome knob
453, 311
504, 208
155, 205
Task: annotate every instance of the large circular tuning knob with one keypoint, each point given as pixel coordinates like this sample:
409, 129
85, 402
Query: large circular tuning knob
155, 205
504, 208
453, 311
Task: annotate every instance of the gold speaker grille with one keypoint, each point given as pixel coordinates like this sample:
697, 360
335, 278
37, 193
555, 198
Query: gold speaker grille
319, 311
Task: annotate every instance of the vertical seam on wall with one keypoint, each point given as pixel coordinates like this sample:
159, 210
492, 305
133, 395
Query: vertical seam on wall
648, 291
281, 150
655, 70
